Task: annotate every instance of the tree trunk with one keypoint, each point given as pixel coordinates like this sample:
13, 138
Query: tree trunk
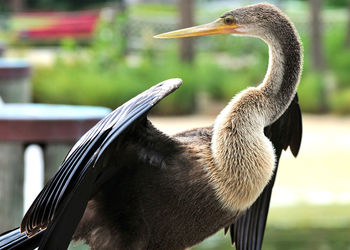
318, 61
186, 20
317, 55
121, 5
17, 5
120, 8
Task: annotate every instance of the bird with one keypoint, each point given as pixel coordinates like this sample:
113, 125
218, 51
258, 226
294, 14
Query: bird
127, 185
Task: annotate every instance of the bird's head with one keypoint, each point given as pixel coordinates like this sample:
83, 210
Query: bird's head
254, 20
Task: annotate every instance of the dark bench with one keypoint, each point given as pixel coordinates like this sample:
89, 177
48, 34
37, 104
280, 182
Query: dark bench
54, 127
15, 80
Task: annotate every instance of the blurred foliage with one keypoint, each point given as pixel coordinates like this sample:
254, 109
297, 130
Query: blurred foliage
335, 3
150, 10
338, 57
111, 84
103, 74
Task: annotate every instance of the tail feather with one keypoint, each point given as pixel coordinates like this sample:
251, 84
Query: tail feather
14, 239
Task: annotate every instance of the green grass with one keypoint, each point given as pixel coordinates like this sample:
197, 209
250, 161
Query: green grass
310, 216
279, 238
300, 227
289, 239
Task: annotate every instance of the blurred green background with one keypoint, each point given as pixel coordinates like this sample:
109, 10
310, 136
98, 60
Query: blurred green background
119, 59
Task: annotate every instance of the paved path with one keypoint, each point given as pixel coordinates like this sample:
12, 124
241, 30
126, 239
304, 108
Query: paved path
321, 172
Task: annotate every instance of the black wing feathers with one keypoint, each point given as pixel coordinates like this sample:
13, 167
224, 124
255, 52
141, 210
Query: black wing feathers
72, 185
67, 219
15, 240
287, 130
247, 232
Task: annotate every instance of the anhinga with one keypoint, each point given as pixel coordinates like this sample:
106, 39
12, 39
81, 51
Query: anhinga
126, 185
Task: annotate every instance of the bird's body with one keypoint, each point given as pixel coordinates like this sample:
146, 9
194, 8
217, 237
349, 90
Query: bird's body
126, 185
171, 197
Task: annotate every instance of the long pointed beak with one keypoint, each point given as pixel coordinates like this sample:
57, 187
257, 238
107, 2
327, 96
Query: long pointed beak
216, 27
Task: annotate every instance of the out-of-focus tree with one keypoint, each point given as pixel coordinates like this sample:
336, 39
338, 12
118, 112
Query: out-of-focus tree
186, 20
109, 45
121, 24
336, 3
317, 55
318, 60
121, 5
17, 5
347, 40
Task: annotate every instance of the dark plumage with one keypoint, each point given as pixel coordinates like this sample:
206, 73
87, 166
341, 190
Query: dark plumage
126, 185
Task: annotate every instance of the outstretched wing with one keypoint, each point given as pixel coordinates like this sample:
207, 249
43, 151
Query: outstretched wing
60, 205
13, 240
247, 232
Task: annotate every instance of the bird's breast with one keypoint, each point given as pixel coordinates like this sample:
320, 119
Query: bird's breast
243, 165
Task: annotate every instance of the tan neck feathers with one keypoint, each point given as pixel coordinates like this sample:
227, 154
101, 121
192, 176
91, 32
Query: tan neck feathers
244, 157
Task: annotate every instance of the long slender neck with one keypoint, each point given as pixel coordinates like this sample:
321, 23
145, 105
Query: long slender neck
243, 156
282, 77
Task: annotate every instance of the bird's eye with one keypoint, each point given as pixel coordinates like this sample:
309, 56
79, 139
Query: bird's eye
229, 20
